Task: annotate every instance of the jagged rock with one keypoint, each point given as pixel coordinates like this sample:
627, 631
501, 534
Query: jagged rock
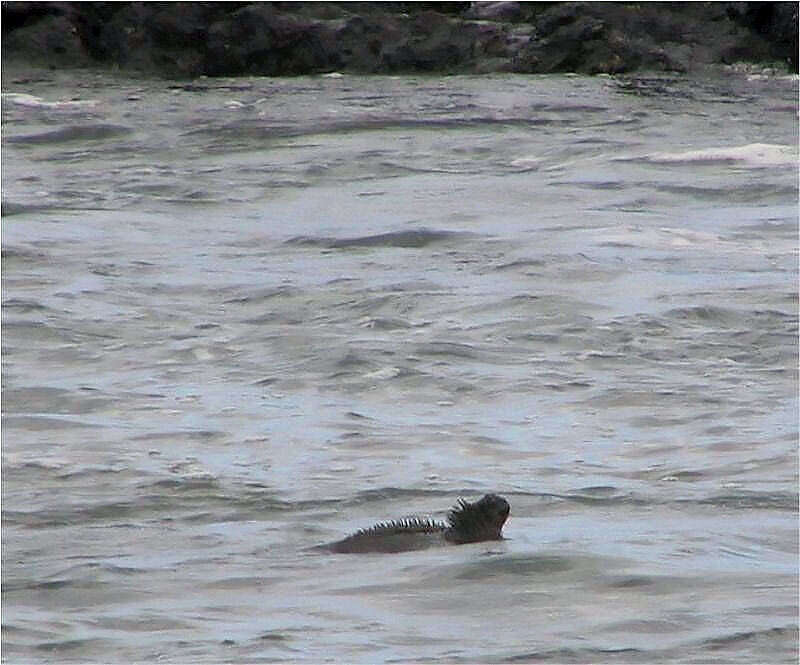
359, 42
187, 39
495, 11
436, 43
42, 33
615, 37
257, 39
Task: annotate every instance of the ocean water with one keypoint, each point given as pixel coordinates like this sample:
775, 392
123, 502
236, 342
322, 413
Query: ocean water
243, 317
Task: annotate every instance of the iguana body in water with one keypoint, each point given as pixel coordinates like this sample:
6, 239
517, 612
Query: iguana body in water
466, 523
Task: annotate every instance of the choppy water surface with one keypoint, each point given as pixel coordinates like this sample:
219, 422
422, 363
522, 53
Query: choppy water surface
244, 317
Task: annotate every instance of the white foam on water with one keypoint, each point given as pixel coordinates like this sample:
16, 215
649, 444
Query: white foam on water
527, 163
757, 155
664, 238
31, 101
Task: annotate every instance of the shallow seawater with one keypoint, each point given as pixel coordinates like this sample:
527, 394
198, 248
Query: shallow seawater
244, 317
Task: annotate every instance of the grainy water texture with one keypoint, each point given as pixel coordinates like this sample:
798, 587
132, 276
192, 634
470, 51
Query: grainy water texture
244, 317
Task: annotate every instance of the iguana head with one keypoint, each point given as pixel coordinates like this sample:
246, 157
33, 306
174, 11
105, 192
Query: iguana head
482, 520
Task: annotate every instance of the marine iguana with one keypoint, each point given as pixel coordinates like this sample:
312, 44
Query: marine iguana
466, 523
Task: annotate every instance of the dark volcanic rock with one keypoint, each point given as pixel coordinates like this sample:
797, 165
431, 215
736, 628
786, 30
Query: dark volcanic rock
257, 39
620, 37
359, 42
42, 33
495, 11
435, 43
776, 22
289, 38
160, 37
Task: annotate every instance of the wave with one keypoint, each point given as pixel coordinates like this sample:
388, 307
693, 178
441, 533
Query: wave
13, 208
744, 500
71, 133
588, 655
753, 155
260, 130
709, 650
188, 494
762, 320
747, 636
409, 239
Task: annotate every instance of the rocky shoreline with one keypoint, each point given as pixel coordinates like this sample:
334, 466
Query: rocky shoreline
189, 39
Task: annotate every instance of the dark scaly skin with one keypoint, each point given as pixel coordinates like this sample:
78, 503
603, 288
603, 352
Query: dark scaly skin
466, 523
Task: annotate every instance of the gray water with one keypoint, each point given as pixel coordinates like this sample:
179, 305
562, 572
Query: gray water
244, 317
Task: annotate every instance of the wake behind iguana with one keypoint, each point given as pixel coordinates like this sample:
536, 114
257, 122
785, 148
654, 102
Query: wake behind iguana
466, 523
